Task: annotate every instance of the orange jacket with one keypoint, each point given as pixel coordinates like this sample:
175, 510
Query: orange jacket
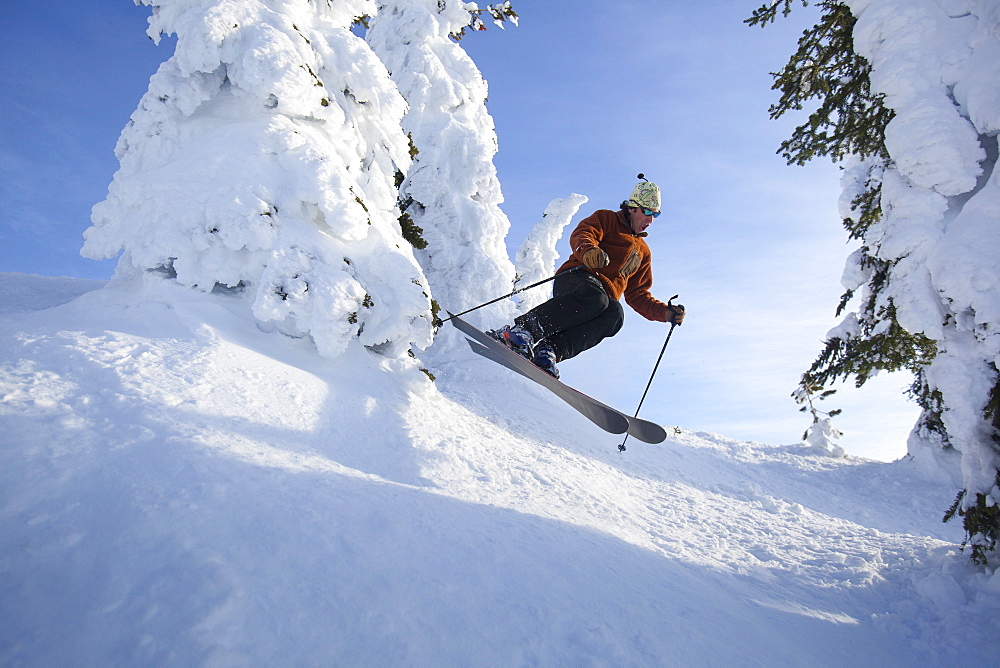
629, 272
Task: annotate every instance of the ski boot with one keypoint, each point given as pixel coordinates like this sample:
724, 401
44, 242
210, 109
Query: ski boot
516, 338
545, 359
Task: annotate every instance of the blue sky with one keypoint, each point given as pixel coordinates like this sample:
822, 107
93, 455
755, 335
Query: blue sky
585, 95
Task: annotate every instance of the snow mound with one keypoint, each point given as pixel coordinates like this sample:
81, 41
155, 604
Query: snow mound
180, 487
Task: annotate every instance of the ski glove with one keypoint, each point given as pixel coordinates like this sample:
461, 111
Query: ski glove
675, 313
595, 258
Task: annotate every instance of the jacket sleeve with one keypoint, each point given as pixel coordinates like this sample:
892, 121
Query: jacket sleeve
587, 235
638, 297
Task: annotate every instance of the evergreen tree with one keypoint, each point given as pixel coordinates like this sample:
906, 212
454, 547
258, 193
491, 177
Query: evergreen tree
263, 156
451, 195
536, 259
906, 94
821, 436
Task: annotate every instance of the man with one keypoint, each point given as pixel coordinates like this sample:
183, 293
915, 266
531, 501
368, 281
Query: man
610, 259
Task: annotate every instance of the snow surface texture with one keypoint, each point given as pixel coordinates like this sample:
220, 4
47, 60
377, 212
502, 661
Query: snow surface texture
937, 62
264, 154
179, 487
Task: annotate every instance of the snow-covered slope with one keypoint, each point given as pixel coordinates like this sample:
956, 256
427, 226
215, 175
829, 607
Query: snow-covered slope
177, 487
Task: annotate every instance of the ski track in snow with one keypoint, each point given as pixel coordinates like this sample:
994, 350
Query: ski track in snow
178, 487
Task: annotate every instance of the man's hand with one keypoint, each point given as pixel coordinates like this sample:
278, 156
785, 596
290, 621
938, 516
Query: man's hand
595, 258
675, 313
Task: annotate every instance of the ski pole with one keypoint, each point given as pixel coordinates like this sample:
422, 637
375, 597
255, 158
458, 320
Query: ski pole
527, 287
621, 448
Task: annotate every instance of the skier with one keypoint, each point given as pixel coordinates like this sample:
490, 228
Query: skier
584, 308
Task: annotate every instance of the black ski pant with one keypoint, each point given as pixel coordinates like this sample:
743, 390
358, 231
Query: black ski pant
579, 316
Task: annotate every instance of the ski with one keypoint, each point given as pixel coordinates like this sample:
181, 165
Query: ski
605, 417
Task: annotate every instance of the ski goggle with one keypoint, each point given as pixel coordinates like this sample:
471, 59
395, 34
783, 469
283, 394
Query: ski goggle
650, 212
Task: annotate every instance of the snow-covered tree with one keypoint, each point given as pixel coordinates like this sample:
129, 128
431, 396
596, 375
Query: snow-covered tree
536, 259
908, 91
264, 155
821, 436
451, 195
